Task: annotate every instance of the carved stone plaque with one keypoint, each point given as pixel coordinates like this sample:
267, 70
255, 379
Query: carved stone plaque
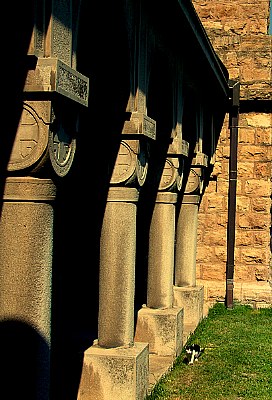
52, 75
140, 124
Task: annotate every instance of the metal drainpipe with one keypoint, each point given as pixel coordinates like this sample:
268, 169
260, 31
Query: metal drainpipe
233, 125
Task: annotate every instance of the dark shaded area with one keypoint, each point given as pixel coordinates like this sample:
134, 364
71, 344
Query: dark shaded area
24, 356
256, 106
82, 194
160, 108
16, 36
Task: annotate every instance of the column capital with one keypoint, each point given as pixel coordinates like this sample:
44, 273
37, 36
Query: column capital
195, 180
172, 175
46, 133
53, 94
131, 163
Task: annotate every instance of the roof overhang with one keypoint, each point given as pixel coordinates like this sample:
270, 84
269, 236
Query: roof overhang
178, 25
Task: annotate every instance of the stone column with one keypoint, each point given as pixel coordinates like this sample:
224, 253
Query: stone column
116, 366
44, 145
159, 323
186, 241
26, 236
161, 252
187, 294
117, 269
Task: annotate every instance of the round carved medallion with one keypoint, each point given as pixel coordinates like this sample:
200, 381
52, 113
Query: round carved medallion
30, 141
193, 182
169, 174
142, 162
62, 148
124, 167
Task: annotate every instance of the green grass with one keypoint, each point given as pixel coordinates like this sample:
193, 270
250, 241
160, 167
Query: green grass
236, 363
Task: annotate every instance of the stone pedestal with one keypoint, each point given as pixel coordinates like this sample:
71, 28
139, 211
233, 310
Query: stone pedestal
115, 374
162, 329
191, 299
186, 294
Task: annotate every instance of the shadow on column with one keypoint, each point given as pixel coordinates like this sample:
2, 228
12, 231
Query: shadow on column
24, 356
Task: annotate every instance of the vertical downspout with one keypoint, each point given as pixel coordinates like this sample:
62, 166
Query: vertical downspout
233, 125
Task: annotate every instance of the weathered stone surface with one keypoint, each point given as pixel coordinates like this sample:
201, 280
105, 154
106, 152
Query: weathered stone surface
239, 33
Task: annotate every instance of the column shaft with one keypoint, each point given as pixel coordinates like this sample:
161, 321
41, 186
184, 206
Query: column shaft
186, 241
161, 252
117, 269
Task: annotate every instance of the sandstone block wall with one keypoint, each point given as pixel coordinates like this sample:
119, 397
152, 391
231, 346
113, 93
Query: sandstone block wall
239, 34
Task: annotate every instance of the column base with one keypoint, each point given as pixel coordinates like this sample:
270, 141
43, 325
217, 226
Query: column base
161, 329
115, 373
191, 299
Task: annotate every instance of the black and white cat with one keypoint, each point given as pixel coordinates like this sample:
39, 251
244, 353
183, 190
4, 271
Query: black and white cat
193, 351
